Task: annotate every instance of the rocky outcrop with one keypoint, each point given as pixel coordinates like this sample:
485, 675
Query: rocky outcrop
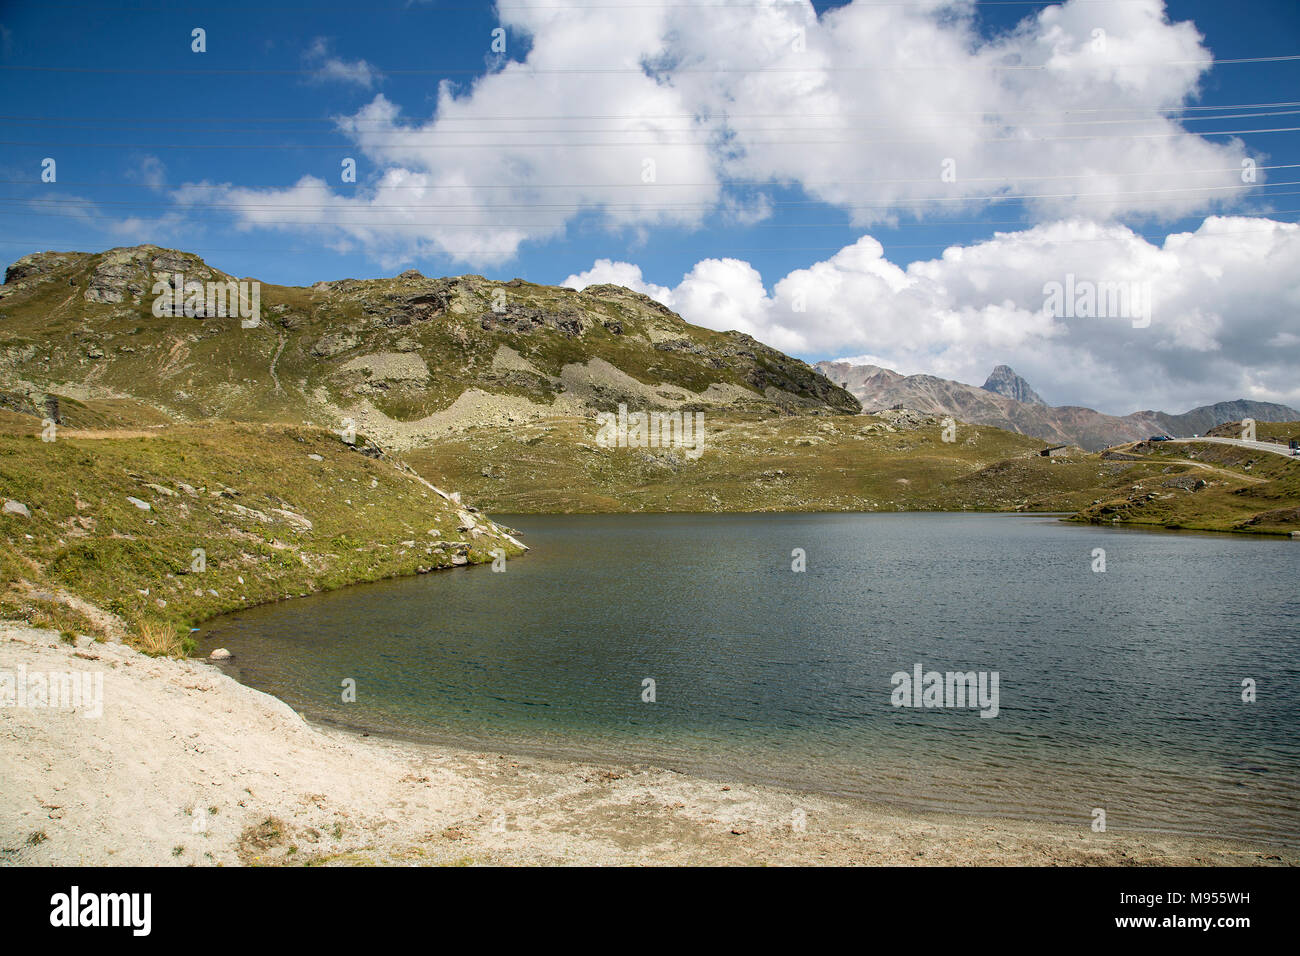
38, 268
129, 273
521, 320
17, 508
335, 343
40, 265
1004, 381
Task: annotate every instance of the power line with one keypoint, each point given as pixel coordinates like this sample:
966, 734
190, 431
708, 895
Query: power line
397, 226
715, 251
658, 186
574, 207
647, 143
899, 202
532, 73
404, 5
799, 113
727, 128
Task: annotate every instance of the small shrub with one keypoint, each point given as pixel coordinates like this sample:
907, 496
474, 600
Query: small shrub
158, 640
263, 836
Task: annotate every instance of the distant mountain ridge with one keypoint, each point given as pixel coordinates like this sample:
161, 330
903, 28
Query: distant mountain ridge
1007, 401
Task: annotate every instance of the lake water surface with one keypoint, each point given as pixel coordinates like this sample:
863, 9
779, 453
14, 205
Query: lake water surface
1120, 690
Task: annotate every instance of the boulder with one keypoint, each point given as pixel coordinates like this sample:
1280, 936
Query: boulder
334, 343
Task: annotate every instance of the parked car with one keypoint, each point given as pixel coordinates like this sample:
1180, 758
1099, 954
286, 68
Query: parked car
1161, 438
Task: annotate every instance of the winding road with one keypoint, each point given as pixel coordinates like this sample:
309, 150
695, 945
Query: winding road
1268, 446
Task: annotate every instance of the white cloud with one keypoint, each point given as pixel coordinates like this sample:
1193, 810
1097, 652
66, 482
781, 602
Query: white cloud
150, 171
860, 107
1224, 321
330, 68
626, 274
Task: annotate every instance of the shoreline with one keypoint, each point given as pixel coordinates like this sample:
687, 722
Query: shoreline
186, 766
522, 751
566, 754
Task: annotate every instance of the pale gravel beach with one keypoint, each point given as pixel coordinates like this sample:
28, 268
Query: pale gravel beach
188, 767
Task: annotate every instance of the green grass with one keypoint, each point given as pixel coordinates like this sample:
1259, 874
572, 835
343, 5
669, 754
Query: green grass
791, 463
1248, 491
250, 487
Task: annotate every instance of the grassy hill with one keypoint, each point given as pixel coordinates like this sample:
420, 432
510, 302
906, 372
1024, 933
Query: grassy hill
1209, 487
406, 359
893, 462
105, 540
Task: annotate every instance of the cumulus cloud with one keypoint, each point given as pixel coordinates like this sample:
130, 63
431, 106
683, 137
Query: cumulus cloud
330, 68
1223, 321
904, 110
664, 115
626, 274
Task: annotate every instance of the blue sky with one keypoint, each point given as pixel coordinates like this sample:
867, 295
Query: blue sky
208, 151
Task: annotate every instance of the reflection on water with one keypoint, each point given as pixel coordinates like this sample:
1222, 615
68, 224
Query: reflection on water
1119, 690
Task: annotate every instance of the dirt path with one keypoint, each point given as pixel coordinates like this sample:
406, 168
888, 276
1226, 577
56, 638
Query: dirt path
1125, 453
1214, 468
275, 358
99, 434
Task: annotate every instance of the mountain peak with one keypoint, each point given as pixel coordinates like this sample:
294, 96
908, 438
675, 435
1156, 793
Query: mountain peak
1003, 380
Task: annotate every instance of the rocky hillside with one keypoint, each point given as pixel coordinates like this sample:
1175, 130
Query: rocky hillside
123, 532
406, 359
1281, 433
1203, 420
995, 404
1206, 486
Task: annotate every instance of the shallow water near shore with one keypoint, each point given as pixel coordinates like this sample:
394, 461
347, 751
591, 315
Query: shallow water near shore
1119, 690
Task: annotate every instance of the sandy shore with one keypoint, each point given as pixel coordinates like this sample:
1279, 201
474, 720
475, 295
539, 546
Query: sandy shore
186, 766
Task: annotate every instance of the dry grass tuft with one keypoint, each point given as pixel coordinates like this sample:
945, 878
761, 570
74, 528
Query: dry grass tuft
158, 640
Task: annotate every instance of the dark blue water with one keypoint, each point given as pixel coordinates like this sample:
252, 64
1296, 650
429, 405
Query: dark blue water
1120, 690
